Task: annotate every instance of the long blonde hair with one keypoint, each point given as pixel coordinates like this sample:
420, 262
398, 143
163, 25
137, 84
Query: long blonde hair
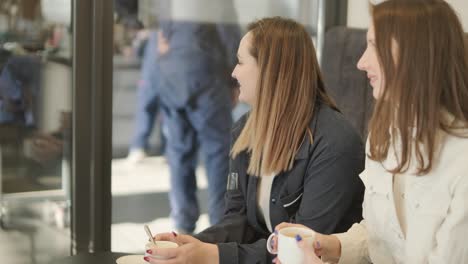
289, 86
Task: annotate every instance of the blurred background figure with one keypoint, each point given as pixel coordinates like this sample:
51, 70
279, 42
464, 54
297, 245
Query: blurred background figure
126, 12
147, 107
19, 87
34, 145
142, 46
196, 53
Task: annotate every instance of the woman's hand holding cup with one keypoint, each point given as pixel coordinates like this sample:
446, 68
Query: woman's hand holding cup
310, 244
165, 242
188, 250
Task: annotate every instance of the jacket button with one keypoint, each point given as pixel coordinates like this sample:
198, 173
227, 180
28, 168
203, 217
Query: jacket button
273, 200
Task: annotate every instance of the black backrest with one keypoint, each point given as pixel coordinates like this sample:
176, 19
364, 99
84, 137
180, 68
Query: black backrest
347, 85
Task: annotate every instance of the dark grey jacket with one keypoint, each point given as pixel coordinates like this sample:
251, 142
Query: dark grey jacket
322, 191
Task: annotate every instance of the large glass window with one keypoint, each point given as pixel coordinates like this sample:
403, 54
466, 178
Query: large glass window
35, 130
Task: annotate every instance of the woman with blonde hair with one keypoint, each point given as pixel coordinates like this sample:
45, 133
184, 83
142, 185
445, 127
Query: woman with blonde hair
294, 158
416, 174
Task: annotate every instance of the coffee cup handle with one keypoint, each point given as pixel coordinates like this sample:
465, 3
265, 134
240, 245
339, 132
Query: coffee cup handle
268, 244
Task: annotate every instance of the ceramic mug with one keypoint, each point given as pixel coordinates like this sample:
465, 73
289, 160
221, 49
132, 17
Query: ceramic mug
287, 249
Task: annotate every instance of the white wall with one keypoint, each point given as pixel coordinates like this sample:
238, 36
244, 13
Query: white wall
358, 14
219, 10
58, 11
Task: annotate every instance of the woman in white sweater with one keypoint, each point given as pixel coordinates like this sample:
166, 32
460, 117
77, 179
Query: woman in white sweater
415, 205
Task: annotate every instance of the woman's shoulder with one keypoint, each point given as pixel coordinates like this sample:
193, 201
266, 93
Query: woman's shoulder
454, 148
333, 130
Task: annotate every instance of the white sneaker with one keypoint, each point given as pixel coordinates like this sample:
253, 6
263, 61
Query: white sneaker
136, 156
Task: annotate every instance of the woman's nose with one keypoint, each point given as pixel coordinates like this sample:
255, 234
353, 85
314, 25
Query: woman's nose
362, 63
233, 74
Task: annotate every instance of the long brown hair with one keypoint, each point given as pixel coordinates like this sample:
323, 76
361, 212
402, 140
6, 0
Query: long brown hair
428, 77
289, 86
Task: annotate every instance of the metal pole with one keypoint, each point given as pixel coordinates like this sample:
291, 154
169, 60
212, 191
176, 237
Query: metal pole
321, 23
92, 125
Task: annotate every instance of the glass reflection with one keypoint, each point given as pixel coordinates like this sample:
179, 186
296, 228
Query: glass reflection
35, 129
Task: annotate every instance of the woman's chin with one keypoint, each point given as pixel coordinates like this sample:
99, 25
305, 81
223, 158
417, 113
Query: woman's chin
242, 99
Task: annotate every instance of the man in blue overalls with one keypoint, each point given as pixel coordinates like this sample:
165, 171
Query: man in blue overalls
147, 101
196, 60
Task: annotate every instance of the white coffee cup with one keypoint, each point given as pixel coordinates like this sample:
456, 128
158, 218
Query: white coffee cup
287, 249
158, 244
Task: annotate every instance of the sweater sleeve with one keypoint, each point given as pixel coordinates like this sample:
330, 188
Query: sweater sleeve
354, 244
450, 238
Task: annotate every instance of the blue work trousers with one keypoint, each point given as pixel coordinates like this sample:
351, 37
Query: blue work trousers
146, 112
204, 124
147, 96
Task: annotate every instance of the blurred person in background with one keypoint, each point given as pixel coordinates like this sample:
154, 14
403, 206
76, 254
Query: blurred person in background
148, 102
140, 42
196, 54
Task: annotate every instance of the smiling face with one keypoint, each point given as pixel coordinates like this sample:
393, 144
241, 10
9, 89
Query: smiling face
369, 63
246, 71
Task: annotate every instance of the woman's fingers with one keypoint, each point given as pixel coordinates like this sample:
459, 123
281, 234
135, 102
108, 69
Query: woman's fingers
165, 237
184, 239
309, 253
274, 243
167, 253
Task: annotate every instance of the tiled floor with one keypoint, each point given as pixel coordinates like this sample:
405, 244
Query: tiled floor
144, 184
